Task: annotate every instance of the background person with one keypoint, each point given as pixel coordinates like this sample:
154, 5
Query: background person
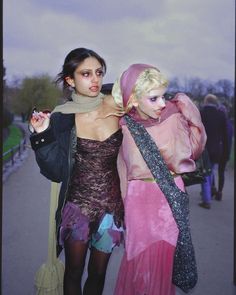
215, 124
225, 158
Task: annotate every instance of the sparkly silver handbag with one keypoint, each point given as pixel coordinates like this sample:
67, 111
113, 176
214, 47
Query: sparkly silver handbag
185, 268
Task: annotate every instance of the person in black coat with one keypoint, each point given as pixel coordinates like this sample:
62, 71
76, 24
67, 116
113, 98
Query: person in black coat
215, 125
77, 145
223, 161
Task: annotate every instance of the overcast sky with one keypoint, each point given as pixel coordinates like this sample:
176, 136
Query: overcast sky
183, 38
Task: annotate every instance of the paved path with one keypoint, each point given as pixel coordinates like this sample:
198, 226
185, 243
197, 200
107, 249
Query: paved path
26, 196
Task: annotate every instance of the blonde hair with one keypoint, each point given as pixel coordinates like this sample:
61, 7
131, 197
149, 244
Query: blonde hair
148, 79
211, 98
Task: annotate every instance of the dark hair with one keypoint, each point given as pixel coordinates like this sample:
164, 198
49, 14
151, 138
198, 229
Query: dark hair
73, 60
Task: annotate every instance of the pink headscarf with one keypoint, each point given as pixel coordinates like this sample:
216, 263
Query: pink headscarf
127, 82
129, 78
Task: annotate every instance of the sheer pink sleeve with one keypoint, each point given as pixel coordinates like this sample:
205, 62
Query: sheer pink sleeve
197, 133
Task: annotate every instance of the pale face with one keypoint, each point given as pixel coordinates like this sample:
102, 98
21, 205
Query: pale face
88, 77
151, 104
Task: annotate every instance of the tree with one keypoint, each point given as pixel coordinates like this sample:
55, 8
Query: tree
3, 74
226, 87
4, 85
7, 116
197, 87
174, 85
39, 92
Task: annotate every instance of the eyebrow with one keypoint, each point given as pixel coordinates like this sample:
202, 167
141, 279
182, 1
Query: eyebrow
92, 69
155, 95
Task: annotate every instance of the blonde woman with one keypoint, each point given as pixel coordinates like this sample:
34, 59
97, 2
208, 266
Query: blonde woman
152, 231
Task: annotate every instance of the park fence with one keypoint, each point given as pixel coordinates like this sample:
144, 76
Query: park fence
10, 156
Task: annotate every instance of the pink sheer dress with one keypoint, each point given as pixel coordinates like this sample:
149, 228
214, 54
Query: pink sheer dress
151, 231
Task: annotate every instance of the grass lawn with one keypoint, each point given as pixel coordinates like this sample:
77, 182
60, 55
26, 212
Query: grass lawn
14, 138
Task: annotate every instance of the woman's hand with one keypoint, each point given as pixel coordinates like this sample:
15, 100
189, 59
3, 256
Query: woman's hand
107, 111
40, 121
110, 108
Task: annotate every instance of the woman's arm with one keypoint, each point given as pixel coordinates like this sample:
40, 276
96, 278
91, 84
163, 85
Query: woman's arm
197, 133
110, 108
51, 151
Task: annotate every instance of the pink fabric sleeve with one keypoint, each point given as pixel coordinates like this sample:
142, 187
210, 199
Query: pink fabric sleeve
197, 133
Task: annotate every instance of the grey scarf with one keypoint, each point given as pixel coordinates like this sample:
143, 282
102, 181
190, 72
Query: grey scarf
80, 104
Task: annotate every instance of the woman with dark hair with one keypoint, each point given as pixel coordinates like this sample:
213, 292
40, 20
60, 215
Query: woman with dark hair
77, 145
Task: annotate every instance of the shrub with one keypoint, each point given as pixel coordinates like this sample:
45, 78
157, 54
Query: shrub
7, 118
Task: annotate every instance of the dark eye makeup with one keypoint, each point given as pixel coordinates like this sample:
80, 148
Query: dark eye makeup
98, 72
155, 98
85, 74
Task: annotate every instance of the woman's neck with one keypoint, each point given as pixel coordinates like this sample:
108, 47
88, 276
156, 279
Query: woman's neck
87, 103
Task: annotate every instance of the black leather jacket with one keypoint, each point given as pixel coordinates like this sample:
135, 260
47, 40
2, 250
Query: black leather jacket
54, 151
